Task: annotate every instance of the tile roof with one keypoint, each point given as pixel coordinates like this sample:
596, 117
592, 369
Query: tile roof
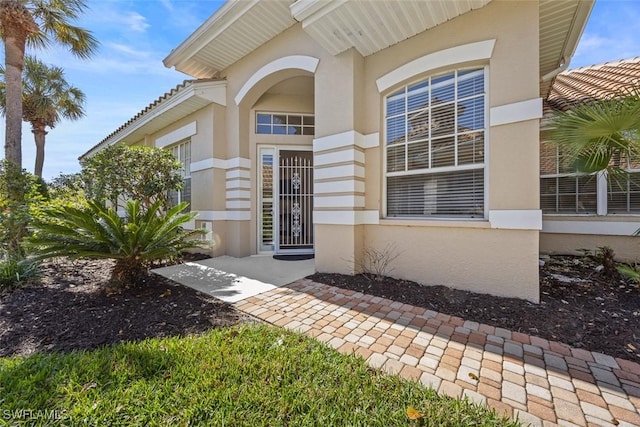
595, 82
167, 95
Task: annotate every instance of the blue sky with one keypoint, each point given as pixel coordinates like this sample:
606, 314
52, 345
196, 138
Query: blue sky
127, 73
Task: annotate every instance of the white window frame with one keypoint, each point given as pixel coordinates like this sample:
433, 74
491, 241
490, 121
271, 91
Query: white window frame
602, 191
484, 167
271, 124
186, 164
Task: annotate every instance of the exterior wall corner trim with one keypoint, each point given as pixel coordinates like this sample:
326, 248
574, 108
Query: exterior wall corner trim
530, 109
525, 219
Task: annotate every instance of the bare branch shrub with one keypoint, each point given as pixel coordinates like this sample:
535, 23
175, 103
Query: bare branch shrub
376, 263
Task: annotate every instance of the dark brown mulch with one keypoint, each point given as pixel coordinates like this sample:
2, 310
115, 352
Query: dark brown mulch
579, 306
72, 309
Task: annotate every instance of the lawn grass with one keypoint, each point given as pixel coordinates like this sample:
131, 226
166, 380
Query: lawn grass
252, 375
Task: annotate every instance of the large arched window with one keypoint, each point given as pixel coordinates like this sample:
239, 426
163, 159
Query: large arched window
435, 146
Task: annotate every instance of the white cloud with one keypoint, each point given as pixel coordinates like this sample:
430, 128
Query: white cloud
135, 22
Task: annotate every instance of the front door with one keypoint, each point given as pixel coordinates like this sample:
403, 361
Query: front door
286, 205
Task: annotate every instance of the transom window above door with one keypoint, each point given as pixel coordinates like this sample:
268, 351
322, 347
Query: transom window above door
285, 124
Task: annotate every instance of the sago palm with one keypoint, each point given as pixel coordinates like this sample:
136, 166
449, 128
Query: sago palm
134, 241
37, 23
47, 98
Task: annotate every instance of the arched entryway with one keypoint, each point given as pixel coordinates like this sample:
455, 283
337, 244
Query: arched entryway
279, 112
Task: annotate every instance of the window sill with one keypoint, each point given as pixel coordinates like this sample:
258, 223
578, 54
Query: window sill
591, 217
448, 223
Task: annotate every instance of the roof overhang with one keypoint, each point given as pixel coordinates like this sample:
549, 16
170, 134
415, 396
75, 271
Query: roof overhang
370, 27
561, 26
185, 99
232, 32
239, 27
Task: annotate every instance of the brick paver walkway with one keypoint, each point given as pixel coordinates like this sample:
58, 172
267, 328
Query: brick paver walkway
541, 382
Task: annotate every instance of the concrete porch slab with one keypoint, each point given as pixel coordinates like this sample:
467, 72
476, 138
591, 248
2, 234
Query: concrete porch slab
234, 279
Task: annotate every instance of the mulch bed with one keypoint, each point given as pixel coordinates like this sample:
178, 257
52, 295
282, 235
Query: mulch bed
72, 308
579, 306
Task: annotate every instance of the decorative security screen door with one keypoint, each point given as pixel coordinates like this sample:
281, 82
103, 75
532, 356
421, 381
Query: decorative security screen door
294, 232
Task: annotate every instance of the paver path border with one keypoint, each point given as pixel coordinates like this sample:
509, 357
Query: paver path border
540, 382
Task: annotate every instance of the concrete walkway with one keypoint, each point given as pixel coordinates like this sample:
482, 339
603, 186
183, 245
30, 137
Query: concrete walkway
541, 382
233, 279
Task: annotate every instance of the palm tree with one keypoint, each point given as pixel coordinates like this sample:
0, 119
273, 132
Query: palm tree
46, 99
601, 135
37, 23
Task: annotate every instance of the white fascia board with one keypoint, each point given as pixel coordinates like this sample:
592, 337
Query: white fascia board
346, 217
597, 227
516, 112
222, 19
214, 91
308, 11
165, 106
516, 219
456, 55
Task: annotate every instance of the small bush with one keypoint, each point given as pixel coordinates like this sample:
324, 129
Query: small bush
376, 263
606, 257
631, 272
16, 272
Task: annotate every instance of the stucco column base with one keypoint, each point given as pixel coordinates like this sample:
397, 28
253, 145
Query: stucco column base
338, 248
238, 238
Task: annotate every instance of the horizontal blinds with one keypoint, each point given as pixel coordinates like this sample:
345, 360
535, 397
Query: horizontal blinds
435, 139
448, 194
624, 194
569, 194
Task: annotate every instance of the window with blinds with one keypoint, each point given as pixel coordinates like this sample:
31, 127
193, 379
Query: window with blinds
182, 152
435, 146
563, 191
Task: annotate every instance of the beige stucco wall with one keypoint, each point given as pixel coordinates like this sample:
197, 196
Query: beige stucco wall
626, 248
346, 98
499, 262
483, 259
208, 185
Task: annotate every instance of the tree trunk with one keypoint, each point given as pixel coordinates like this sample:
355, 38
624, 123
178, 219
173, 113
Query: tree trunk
12, 17
39, 135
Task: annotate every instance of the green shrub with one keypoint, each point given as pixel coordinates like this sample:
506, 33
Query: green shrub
20, 192
134, 241
14, 272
